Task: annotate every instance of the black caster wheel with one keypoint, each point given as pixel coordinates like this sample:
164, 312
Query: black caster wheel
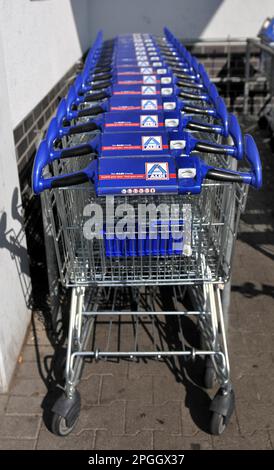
217, 424
59, 425
65, 414
222, 407
209, 375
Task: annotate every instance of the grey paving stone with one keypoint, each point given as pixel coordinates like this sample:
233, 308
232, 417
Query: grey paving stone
27, 370
29, 354
121, 388
264, 386
17, 444
148, 367
141, 416
82, 441
106, 367
28, 387
260, 342
166, 441
111, 417
258, 365
271, 437
41, 339
245, 389
15, 427
139, 441
170, 389
238, 343
24, 405
259, 440
3, 403
254, 417
90, 389
249, 322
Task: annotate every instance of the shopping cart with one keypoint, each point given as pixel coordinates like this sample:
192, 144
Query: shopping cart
184, 236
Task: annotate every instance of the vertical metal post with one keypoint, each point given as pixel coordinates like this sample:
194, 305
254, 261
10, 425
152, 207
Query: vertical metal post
247, 77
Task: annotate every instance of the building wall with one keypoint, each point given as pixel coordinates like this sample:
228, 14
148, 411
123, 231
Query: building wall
186, 18
41, 41
14, 274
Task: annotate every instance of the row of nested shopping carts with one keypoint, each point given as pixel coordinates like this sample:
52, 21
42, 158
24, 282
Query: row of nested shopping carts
139, 174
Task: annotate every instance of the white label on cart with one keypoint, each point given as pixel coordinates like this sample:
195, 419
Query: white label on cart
157, 64
149, 104
148, 90
148, 121
153, 142
177, 144
161, 71
166, 80
149, 79
167, 91
171, 122
169, 105
157, 171
186, 172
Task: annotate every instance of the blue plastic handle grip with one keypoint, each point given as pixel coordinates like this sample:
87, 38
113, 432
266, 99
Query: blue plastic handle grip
221, 113
43, 158
253, 157
236, 134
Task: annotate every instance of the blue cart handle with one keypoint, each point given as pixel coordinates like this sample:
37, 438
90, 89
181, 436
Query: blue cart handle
42, 159
236, 150
253, 178
89, 173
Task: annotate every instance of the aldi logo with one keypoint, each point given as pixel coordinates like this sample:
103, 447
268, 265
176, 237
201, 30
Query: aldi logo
157, 171
148, 121
148, 90
149, 104
146, 70
153, 142
143, 63
149, 79
141, 56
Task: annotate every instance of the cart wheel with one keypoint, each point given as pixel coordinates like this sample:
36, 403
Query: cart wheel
59, 425
218, 424
65, 414
209, 377
222, 407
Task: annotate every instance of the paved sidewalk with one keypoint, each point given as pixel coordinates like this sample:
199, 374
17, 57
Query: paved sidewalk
129, 405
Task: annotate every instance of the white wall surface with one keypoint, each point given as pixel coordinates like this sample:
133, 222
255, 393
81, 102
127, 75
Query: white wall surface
186, 18
14, 285
41, 41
